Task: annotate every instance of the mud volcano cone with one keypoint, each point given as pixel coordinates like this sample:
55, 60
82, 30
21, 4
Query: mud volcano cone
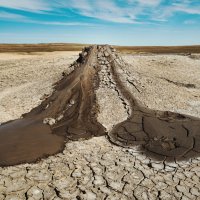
70, 113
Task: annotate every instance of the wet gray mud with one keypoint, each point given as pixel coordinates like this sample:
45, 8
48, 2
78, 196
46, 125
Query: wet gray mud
70, 113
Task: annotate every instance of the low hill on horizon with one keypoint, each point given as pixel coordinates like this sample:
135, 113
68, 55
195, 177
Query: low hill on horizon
50, 47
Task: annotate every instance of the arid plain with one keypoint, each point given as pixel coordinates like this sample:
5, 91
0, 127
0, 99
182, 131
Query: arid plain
95, 168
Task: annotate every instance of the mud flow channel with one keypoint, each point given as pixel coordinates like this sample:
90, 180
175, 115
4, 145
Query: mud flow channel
70, 113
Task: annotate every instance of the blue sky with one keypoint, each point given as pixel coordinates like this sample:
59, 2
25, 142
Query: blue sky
121, 22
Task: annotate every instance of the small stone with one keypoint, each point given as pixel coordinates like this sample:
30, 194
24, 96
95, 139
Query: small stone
49, 121
158, 166
169, 169
72, 102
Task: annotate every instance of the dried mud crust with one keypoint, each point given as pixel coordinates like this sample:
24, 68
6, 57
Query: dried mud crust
94, 169
71, 114
164, 82
25, 80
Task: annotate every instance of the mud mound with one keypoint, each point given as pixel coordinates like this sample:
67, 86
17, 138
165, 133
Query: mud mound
70, 113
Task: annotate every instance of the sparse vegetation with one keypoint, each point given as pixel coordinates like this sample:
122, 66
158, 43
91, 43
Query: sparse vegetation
28, 48
159, 49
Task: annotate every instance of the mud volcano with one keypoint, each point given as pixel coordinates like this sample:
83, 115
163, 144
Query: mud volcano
70, 113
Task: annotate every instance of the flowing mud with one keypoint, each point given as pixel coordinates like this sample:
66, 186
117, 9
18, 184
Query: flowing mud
70, 113
164, 136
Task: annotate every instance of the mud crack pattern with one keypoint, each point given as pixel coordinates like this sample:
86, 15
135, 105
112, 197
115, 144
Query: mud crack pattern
164, 136
95, 169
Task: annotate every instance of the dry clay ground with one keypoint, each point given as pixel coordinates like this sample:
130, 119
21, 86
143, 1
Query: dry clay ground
96, 169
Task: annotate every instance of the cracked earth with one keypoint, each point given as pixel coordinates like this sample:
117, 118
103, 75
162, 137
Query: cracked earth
98, 169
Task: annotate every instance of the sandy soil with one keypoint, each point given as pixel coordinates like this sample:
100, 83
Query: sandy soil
25, 78
96, 169
166, 82
161, 80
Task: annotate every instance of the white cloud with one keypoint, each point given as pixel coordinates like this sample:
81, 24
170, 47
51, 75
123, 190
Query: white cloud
149, 2
27, 5
81, 4
186, 9
58, 23
128, 11
20, 18
7, 15
103, 10
163, 13
190, 22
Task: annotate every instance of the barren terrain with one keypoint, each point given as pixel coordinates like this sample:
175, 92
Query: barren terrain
97, 169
